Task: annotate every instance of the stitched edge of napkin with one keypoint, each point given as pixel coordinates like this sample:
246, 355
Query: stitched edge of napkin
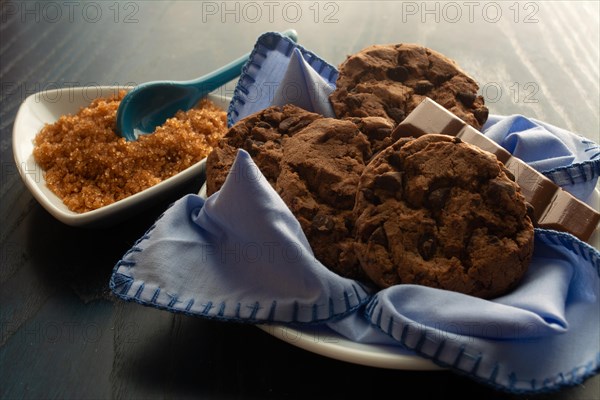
466, 361
575, 173
586, 171
322, 67
121, 286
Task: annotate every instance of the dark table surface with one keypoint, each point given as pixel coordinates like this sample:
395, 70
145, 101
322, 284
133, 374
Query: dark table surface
64, 336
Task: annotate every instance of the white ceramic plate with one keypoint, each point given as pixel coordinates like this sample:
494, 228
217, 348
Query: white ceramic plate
46, 107
329, 344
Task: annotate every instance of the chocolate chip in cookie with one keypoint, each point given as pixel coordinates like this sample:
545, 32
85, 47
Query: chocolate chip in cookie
389, 81
440, 212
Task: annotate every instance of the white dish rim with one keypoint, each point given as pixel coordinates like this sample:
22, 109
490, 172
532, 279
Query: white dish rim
332, 345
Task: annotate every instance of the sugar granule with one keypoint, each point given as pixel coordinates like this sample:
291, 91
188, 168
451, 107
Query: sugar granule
89, 166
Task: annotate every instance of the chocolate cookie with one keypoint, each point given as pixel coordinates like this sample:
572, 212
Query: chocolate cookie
314, 163
261, 135
440, 212
391, 80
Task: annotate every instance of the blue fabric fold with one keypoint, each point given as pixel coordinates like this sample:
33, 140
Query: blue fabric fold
240, 255
537, 351
302, 86
537, 308
571, 161
266, 71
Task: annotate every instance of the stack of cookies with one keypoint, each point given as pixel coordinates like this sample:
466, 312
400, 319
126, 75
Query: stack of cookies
385, 209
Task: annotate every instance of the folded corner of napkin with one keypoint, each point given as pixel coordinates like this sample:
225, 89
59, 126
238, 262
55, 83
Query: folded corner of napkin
239, 255
302, 86
282, 71
570, 160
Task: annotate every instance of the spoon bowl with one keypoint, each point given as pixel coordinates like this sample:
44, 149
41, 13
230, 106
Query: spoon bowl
154, 104
150, 104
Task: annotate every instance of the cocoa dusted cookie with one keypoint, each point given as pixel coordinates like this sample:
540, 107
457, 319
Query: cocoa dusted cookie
389, 81
440, 212
314, 164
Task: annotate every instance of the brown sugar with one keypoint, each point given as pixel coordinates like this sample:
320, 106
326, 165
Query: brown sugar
89, 166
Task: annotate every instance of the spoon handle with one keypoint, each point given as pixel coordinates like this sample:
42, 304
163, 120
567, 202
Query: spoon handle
211, 81
148, 105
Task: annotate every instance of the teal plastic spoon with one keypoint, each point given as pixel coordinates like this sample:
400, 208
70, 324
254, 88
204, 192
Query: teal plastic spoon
150, 104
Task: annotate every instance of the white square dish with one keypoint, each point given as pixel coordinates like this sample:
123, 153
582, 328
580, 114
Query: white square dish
47, 107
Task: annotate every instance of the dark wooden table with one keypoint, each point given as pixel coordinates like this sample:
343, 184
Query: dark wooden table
64, 336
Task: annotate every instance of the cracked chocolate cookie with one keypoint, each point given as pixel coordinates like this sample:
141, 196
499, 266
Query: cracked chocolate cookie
314, 164
389, 81
439, 212
261, 135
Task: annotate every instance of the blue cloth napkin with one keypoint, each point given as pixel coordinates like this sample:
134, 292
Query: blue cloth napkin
280, 71
543, 335
303, 86
241, 256
571, 161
